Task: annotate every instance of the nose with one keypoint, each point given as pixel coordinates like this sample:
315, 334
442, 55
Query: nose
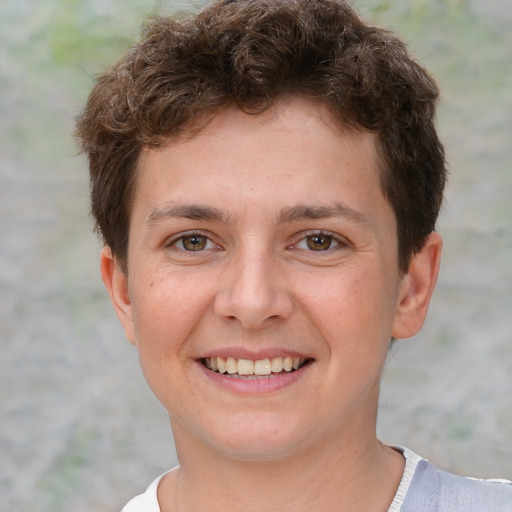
253, 291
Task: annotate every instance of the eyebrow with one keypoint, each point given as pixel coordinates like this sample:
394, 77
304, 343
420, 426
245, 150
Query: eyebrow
305, 212
286, 215
187, 211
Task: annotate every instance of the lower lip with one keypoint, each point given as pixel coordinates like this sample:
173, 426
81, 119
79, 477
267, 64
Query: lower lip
261, 385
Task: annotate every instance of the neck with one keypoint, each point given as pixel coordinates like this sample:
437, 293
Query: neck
336, 477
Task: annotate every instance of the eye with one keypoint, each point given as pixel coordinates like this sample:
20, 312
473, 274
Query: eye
318, 242
194, 242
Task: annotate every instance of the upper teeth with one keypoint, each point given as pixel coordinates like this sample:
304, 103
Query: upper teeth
249, 367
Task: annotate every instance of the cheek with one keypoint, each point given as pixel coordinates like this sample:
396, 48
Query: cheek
167, 313
167, 308
351, 307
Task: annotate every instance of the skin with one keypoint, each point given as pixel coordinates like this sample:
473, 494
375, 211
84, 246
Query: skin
262, 188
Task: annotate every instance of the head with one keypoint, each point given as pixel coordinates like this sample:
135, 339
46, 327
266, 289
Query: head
250, 54
192, 138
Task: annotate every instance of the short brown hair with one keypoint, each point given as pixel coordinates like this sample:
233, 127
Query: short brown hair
249, 53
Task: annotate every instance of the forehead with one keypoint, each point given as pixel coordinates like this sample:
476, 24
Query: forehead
269, 143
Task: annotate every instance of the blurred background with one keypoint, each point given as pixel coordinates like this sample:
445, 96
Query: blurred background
79, 430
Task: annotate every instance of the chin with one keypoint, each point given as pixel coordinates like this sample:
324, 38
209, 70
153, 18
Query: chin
257, 442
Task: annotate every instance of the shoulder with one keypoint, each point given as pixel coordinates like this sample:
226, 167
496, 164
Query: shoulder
146, 502
471, 494
435, 490
137, 504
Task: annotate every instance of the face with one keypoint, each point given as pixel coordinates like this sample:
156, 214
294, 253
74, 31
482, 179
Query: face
263, 283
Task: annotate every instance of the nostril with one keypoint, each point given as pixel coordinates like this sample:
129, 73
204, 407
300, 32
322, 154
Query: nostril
251, 307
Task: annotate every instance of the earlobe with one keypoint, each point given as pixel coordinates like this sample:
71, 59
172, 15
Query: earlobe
116, 283
417, 287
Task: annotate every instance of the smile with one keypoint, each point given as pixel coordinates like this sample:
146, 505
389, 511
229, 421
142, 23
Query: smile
247, 368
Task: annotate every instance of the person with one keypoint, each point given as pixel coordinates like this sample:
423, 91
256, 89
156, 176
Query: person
266, 177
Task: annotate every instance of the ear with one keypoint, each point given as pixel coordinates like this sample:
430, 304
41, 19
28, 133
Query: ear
416, 288
116, 283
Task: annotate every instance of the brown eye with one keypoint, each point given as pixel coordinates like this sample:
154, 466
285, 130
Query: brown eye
194, 242
319, 242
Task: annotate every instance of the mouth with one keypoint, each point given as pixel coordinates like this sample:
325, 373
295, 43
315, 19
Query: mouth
253, 369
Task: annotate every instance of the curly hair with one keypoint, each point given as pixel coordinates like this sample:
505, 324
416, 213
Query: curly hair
249, 54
